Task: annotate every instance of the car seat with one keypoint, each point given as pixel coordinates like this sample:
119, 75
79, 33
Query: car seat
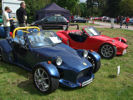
19, 37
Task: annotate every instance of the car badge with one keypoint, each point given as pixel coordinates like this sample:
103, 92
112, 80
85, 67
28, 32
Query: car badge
84, 64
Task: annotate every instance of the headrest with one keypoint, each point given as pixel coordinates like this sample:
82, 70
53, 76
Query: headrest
19, 33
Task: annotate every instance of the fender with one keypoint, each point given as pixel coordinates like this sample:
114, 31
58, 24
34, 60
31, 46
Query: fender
94, 55
50, 68
121, 39
6, 50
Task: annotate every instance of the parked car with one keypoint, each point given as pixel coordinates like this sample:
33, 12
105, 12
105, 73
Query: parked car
90, 39
79, 20
130, 21
1, 20
50, 61
51, 22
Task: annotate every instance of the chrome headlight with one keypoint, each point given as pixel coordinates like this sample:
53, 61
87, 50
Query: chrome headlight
58, 61
85, 53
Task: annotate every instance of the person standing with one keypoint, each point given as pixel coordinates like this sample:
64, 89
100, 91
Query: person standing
21, 15
112, 22
121, 21
127, 22
6, 21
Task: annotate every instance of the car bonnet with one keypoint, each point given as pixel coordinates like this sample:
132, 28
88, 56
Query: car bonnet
70, 57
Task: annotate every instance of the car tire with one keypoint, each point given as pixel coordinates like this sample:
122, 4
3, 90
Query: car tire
44, 82
96, 65
107, 51
1, 54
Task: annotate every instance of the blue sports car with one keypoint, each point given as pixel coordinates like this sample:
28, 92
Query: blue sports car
51, 61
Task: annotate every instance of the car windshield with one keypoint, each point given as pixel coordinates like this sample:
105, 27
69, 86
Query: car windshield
43, 38
91, 31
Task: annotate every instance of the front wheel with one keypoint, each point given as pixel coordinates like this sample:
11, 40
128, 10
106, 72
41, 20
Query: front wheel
43, 81
96, 65
107, 51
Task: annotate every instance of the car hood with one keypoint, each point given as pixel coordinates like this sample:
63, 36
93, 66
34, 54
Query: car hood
113, 41
70, 57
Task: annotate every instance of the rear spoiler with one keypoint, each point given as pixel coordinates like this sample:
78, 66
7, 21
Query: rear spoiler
72, 25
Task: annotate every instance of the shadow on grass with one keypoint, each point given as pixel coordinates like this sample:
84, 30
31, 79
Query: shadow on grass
28, 87
64, 88
7, 68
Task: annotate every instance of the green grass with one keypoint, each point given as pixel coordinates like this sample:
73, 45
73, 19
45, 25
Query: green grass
16, 83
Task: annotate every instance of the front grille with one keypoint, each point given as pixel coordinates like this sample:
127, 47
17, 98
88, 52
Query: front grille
85, 73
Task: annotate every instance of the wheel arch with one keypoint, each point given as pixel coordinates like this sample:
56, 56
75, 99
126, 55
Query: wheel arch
95, 55
110, 43
50, 68
115, 49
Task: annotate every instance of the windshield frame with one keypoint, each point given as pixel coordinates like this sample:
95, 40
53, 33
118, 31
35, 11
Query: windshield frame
44, 45
93, 31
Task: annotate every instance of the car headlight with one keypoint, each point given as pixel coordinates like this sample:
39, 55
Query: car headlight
85, 53
58, 61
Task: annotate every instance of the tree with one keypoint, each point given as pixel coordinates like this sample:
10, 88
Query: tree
95, 7
83, 9
112, 8
126, 8
71, 5
33, 6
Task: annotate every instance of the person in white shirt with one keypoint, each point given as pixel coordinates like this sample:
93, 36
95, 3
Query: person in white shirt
6, 21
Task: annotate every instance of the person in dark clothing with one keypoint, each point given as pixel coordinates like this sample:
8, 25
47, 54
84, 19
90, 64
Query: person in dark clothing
121, 21
21, 15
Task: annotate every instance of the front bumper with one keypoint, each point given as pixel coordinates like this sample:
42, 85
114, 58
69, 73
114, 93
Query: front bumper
80, 83
121, 51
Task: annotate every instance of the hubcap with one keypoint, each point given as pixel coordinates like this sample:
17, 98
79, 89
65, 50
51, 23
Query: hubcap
41, 79
107, 51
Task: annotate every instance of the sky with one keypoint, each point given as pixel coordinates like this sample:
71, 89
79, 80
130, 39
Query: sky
82, 0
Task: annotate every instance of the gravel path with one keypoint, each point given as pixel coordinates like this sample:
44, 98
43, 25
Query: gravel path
108, 25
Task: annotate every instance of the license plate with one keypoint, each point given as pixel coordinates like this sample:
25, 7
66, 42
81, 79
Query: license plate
87, 82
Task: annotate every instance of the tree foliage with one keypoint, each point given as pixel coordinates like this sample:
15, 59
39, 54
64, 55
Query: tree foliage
126, 8
33, 6
71, 5
112, 8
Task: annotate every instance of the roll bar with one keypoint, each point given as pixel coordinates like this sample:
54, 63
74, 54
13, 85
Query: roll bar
72, 25
24, 29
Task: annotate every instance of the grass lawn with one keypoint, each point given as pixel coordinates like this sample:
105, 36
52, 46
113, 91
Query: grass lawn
16, 83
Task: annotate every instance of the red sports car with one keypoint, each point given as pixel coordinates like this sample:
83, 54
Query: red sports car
90, 39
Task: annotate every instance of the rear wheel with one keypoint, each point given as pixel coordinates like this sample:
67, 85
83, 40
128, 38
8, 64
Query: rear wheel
107, 51
96, 65
43, 81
